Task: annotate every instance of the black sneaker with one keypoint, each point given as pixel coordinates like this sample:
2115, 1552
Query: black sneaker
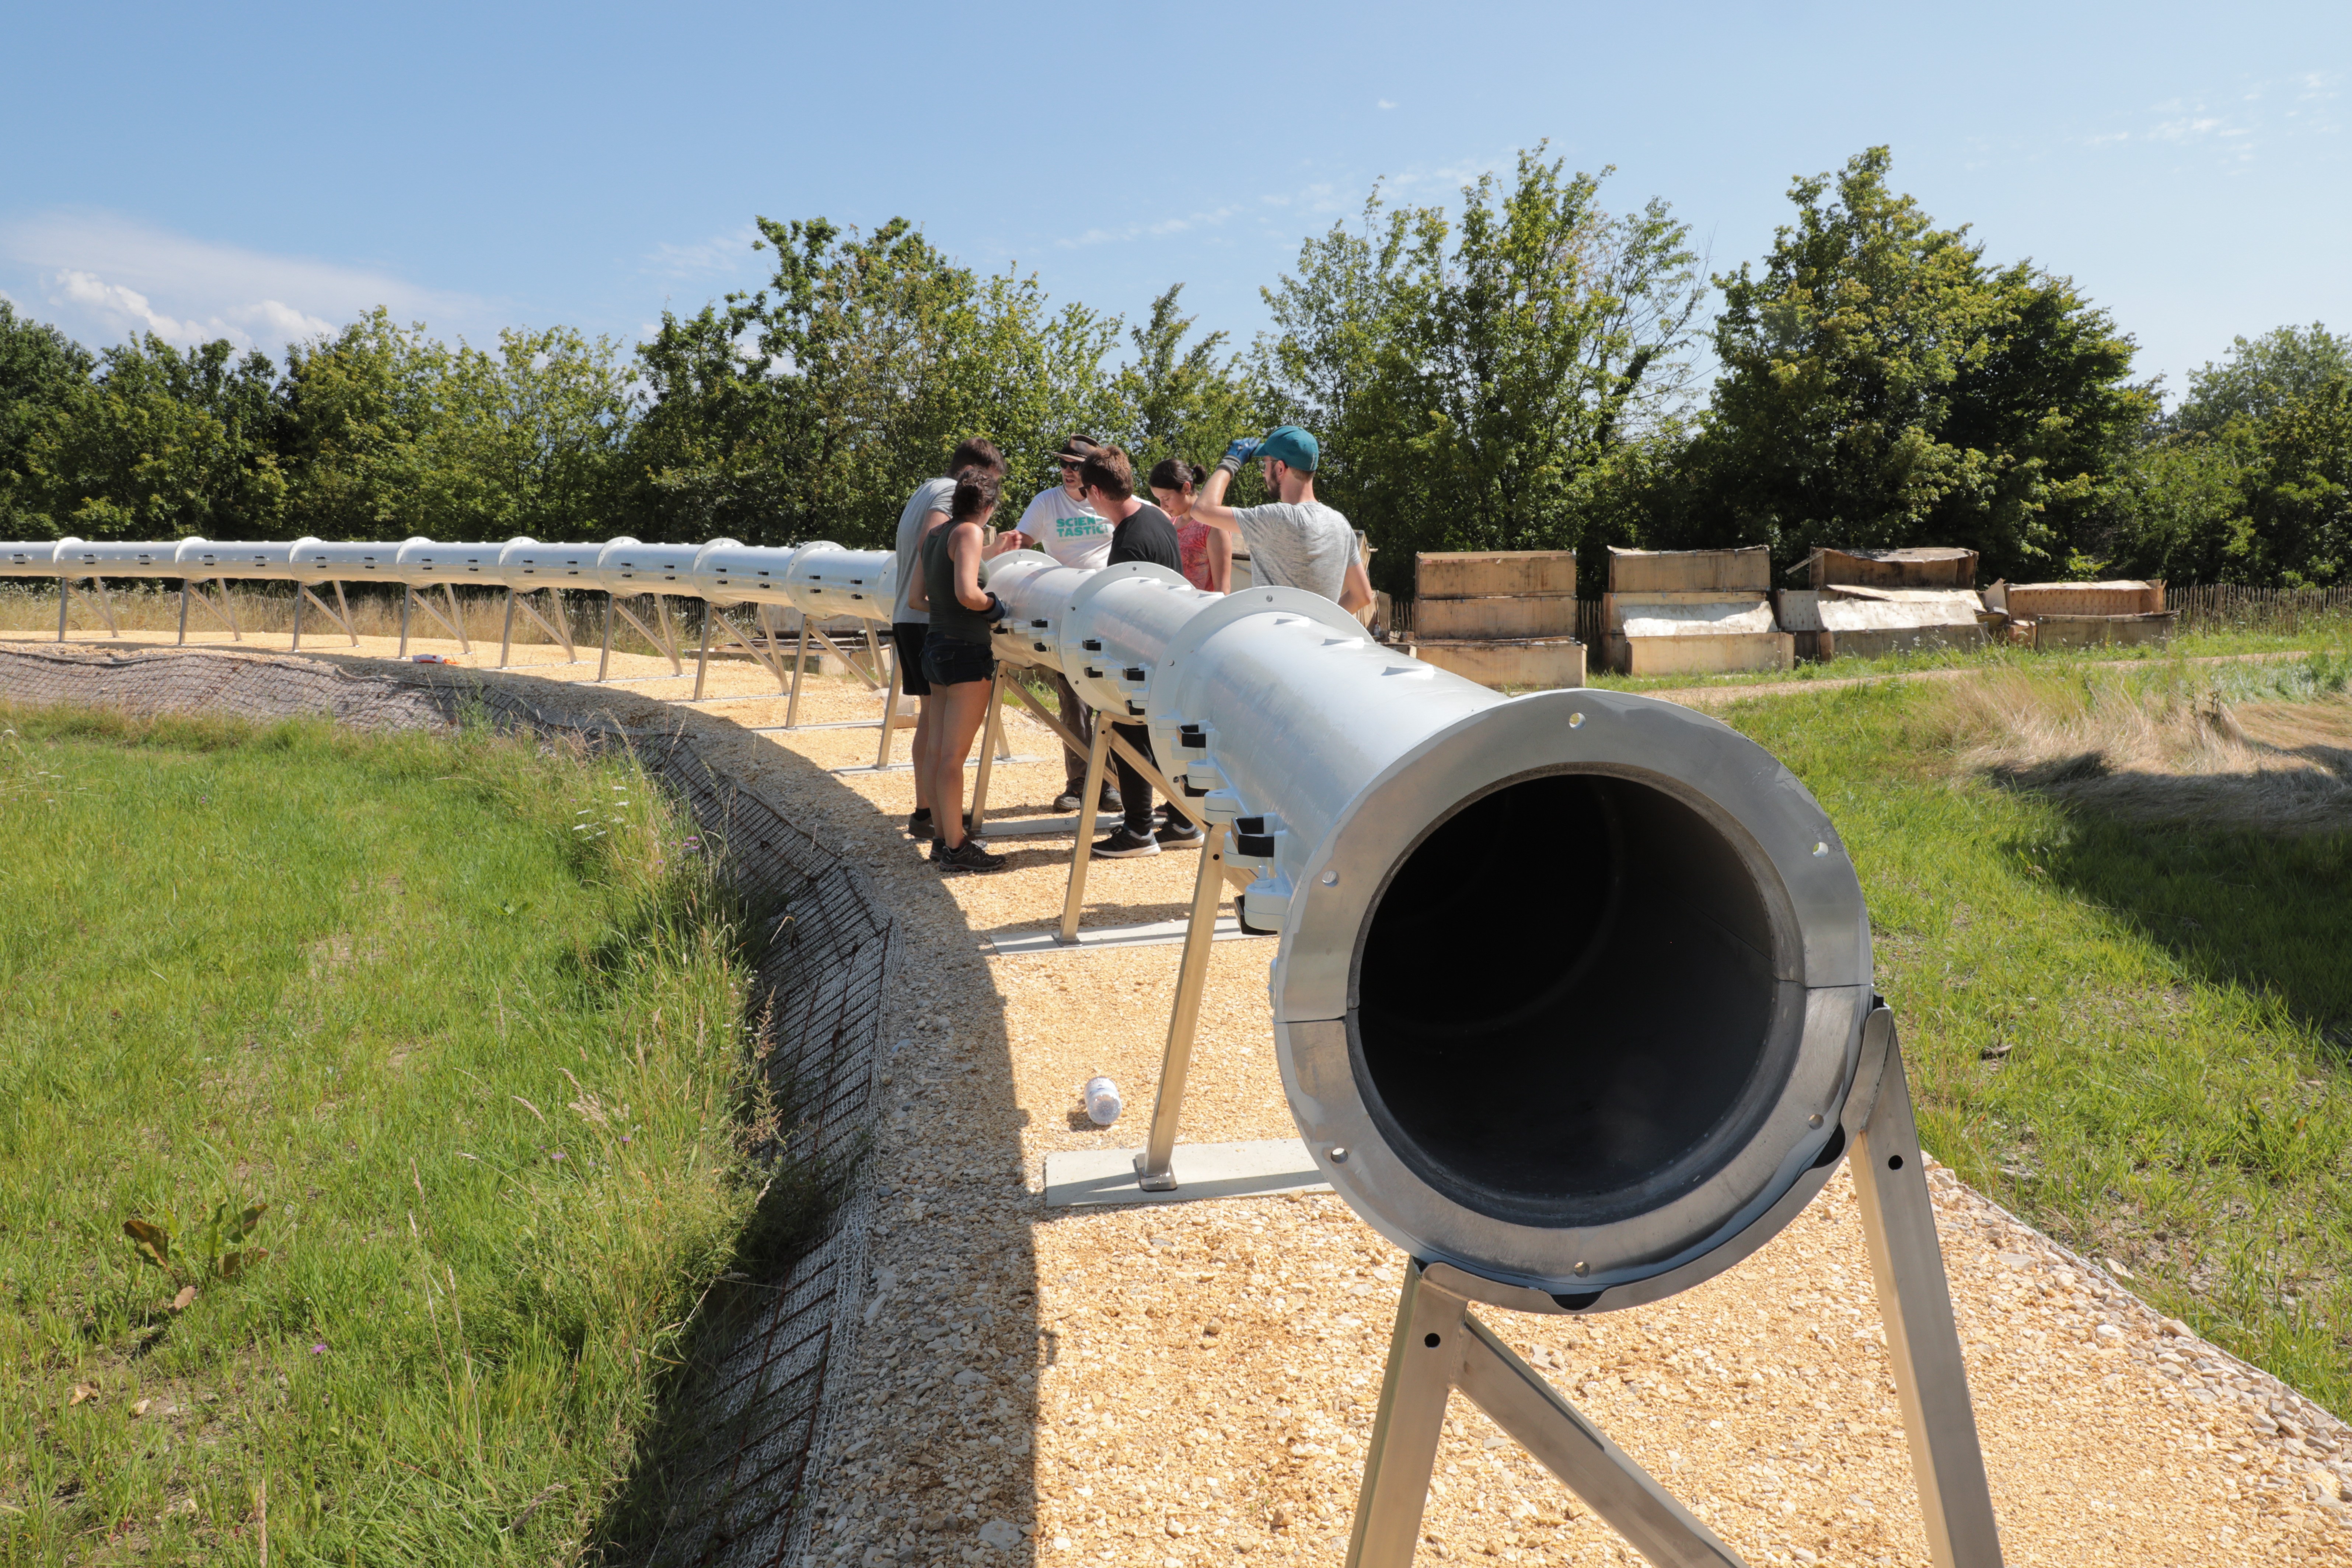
1066, 801
938, 848
969, 856
920, 825
1172, 837
1125, 844
1111, 800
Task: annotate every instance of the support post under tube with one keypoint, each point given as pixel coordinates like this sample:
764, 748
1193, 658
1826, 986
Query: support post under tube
989, 727
506, 632
184, 614
702, 658
1075, 900
890, 714
1154, 1168
604, 657
800, 673
407, 599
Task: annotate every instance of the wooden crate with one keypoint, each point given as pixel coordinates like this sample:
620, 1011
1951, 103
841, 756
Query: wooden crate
2026, 601
1480, 573
1615, 607
2052, 633
1686, 570
1499, 615
1701, 655
1921, 567
1526, 663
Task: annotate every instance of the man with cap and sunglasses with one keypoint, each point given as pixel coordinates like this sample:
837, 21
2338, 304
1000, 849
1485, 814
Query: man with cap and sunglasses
1294, 541
1060, 522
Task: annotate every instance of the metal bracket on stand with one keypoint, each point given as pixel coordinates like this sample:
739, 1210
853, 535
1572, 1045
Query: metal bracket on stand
1439, 1347
66, 594
224, 612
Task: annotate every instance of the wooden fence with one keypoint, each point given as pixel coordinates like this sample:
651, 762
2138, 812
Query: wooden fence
2221, 605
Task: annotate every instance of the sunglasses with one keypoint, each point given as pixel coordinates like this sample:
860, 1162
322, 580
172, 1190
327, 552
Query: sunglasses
1072, 468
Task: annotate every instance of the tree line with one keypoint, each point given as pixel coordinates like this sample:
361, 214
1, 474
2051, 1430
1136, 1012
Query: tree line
1533, 371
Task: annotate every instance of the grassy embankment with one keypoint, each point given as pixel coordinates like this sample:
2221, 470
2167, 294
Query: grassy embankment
467, 1018
2113, 908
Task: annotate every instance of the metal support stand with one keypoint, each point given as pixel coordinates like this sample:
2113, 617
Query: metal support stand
800, 673
1439, 1346
889, 726
604, 658
660, 640
1076, 898
452, 623
1154, 1169
407, 599
224, 612
559, 628
702, 658
992, 729
66, 591
302, 592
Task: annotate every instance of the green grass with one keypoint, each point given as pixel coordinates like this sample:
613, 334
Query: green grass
2133, 1030
465, 1015
2211, 644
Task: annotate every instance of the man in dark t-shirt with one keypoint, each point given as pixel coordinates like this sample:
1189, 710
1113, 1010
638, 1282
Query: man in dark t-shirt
1140, 531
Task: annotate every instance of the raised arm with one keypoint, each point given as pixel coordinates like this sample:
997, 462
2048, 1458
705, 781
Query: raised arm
1210, 506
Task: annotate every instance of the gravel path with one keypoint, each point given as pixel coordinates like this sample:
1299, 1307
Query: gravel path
1194, 1383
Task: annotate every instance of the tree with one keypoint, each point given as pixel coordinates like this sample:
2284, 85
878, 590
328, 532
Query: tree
161, 443
2256, 380
1180, 401
1474, 397
2299, 502
40, 369
812, 407
1881, 386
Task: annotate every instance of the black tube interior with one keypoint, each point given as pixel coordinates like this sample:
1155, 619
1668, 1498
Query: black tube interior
1566, 1002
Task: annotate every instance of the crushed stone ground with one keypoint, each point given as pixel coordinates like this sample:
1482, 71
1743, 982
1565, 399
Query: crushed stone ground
1192, 1384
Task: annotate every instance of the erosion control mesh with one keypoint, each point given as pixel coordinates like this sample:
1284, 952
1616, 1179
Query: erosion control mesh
720, 1478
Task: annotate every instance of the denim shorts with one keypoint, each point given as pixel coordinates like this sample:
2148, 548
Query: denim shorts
951, 661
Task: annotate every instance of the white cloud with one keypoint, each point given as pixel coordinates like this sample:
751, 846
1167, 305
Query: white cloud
103, 275
1385, 103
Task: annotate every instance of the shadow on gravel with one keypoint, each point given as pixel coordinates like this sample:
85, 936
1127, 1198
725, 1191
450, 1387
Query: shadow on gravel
2195, 866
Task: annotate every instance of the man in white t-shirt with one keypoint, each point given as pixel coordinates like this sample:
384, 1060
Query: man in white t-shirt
1060, 522
1296, 541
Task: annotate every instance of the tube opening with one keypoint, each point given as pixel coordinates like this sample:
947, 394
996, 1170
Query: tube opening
1566, 1004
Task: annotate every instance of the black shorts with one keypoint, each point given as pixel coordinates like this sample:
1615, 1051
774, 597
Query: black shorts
951, 661
908, 636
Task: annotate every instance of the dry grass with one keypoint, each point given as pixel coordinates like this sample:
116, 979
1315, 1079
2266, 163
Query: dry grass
2270, 747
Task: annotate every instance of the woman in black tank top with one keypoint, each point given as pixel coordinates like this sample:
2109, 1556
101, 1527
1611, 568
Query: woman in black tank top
951, 585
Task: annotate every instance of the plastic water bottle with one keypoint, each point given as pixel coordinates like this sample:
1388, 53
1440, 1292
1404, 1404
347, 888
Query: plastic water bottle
1103, 1103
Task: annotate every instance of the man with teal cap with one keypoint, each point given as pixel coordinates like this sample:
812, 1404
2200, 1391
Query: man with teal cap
1294, 541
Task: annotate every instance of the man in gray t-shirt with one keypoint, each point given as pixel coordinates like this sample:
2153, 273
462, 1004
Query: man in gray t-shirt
1296, 541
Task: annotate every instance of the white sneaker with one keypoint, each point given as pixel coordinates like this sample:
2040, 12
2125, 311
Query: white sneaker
1125, 844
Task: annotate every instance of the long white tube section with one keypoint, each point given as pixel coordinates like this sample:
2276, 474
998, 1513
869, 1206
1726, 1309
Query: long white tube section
1570, 986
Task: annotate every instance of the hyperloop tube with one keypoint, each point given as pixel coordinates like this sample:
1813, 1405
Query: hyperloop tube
1570, 987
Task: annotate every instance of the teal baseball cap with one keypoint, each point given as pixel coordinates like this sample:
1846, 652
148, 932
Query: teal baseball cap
1289, 444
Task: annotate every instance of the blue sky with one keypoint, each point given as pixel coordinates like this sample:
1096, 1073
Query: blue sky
262, 172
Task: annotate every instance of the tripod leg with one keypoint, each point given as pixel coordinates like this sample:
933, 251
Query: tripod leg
183, 613
1097, 759
1914, 1302
889, 717
297, 618
505, 633
604, 659
456, 618
702, 659
228, 607
800, 673
407, 599
65, 594
1424, 1360
344, 606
